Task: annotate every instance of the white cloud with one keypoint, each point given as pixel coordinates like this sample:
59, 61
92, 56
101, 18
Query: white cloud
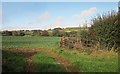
57, 23
0, 17
43, 17
10, 28
86, 13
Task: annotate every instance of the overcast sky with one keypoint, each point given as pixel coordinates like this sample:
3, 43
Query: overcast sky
45, 15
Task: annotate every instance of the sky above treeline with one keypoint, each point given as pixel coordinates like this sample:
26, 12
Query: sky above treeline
46, 15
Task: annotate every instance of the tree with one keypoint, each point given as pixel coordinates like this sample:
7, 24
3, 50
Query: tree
14, 33
56, 33
21, 33
57, 28
7, 33
73, 33
45, 33
18, 33
36, 32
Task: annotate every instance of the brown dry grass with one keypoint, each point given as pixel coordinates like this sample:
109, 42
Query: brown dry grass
98, 52
103, 53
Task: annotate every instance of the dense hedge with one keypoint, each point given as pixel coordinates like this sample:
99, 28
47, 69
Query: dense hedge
106, 29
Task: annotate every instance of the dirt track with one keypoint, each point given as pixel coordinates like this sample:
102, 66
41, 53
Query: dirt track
29, 52
67, 65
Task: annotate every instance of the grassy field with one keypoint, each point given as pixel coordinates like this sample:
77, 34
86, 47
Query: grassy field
11, 60
44, 63
29, 42
83, 61
90, 63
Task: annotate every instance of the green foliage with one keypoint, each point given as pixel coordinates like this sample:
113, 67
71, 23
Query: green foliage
88, 63
86, 38
56, 33
84, 34
106, 29
36, 32
73, 33
45, 33
21, 33
28, 41
84, 62
11, 60
13, 33
44, 63
7, 33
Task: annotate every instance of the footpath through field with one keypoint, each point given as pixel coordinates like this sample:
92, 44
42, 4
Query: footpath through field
67, 65
30, 52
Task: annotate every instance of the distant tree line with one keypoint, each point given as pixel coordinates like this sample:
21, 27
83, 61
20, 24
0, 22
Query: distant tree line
57, 32
13, 33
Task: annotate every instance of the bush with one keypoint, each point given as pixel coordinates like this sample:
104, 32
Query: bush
45, 33
56, 33
106, 29
7, 33
73, 33
36, 32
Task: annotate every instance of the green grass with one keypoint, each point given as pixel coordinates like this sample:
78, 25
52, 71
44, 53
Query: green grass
44, 63
48, 63
12, 62
82, 61
28, 42
88, 63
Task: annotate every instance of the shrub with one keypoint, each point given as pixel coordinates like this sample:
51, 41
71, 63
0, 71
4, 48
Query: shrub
45, 33
105, 29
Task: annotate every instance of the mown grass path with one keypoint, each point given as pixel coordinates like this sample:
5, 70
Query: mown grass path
67, 65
